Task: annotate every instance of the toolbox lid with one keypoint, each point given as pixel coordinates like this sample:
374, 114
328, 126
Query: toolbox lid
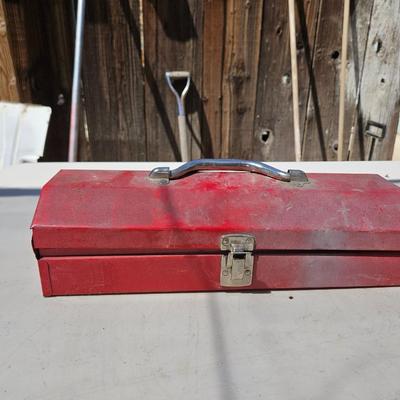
83, 212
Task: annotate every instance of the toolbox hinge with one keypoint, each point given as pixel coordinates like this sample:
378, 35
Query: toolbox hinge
237, 264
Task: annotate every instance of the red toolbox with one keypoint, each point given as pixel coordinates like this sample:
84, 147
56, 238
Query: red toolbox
215, 225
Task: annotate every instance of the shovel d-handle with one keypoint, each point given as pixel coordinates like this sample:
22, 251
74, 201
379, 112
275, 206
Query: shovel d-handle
171, 77
165, 174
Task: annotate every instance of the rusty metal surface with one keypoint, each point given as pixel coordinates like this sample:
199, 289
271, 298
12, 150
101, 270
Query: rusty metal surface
198, 273
121, 232
124, 212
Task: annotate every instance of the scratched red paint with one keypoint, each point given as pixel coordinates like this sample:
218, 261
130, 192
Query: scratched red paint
87, 215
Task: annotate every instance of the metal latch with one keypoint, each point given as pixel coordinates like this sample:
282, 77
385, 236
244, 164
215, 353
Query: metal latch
237, 264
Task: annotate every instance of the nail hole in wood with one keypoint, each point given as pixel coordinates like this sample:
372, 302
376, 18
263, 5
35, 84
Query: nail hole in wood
335, 55
264, 135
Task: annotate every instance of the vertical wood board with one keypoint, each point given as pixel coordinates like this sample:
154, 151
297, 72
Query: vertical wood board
172, 36
113, 81
273, 125
242, 51
320, 132
8, 80
213, 52
380, 87
360, 22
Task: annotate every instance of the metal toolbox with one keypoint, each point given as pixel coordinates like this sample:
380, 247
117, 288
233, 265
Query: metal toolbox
215, 225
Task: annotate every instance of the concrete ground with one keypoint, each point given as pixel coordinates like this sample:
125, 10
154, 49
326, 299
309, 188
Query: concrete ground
316, 344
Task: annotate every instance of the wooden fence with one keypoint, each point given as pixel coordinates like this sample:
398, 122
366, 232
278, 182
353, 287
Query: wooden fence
238, 53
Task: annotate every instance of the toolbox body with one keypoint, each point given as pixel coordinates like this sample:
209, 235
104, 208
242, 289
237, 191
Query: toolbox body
127, 232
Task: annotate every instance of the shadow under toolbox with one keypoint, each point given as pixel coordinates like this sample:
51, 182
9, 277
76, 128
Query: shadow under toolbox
193, 230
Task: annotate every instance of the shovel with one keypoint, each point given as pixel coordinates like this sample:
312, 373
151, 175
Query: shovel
171, 78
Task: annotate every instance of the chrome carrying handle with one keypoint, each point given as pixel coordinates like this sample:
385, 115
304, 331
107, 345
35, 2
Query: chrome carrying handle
165, 174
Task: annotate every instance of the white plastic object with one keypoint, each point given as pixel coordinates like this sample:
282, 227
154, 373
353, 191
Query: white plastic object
23, 131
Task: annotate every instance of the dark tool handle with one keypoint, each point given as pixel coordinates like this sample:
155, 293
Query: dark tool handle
166, 174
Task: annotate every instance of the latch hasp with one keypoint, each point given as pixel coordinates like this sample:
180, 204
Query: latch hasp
237, 265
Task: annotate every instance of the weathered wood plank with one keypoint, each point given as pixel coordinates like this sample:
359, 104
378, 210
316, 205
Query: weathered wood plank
273, 125
172, 36
200, 140
213, 51
320, 136
8, 80
25, 41
242, 50
238, 53
113, 81
380, 84
161, 126
361, 12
